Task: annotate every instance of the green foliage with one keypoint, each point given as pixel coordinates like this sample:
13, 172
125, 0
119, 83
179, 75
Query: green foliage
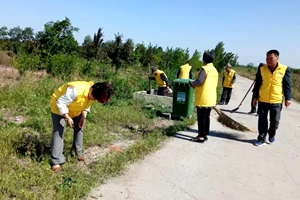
91, 47
3, 32
195, 60
62, 65
57, 41
57, 37
234, 61
120, 53
27, 62
222, 58
25, 147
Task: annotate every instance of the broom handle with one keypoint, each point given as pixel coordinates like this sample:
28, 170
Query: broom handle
217, 110
247, 93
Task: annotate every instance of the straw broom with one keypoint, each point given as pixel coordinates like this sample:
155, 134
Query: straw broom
230, 123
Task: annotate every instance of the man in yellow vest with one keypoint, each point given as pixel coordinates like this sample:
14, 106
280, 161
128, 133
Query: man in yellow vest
229, 79
272, 88
205, 95
185, 71
161, 80
70, 104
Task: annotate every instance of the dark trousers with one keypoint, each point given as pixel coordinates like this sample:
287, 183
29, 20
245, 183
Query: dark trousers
253, 108
161, 91
203, 115
226, 95
263, 110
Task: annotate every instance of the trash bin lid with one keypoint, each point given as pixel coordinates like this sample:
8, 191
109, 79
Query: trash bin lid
183, 81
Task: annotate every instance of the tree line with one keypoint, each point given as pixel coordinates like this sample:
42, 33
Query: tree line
56, 49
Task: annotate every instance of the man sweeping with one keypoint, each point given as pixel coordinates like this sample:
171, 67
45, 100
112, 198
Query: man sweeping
70, 104
253, 108
205, 95
161, 80
185, 71
229, 79
272, 88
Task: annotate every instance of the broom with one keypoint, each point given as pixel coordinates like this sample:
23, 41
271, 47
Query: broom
243, 98
230, 123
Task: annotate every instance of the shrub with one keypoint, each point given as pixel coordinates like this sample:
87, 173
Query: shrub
62, 65
25, 62
5, 59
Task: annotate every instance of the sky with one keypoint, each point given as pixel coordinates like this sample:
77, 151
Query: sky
248, 28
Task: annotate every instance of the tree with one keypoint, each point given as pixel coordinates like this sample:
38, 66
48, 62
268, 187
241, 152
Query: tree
195, 60
3, 33
58, 37
234, 61
15, 34
87, 40
250, 65
158, 55
127, 52
222, 58
139, 52
120, 53
149, 56
93, 47
115, 50
27, 34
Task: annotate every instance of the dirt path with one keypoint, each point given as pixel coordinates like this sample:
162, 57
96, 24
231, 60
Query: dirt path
228, 166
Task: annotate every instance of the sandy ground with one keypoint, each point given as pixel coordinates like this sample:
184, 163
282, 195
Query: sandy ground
227, 166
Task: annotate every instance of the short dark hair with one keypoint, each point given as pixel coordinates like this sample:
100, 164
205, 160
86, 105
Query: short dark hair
273, 51
208, 56
153, 69
102, 91
261, 64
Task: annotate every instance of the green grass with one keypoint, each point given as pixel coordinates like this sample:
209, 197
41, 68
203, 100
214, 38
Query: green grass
25, 172
25, 147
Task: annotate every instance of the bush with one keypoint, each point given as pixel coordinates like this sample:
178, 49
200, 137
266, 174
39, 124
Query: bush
25, 62
5, 59
62, 65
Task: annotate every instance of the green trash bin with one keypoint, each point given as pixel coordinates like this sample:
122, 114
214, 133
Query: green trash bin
183, 98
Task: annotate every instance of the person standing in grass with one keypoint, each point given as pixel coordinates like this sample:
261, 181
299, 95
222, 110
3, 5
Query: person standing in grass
229, 79
161, 80
70, 104
253, 108
185, 71
272, 88
205, 95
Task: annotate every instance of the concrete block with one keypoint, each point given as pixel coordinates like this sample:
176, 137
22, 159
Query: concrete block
152, 98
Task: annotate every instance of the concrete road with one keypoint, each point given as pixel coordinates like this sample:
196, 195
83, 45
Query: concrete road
227, 166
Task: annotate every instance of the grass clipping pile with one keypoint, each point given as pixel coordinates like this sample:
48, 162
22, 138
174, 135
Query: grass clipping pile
230, 123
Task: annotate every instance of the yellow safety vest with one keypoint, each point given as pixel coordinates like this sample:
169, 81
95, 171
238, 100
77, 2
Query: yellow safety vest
228, 78
185, 71
82, 101
206, 93
271, 90
159, 81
